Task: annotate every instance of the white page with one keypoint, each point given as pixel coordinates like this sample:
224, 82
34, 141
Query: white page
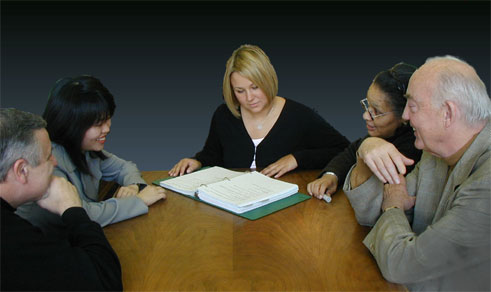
189, 183
246, 189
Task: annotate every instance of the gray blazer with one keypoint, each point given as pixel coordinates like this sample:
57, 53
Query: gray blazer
443, 243
106, 212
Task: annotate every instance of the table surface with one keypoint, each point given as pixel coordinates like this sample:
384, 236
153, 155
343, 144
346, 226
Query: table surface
182, 244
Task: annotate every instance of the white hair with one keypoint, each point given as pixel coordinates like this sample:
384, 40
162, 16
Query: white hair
466, 90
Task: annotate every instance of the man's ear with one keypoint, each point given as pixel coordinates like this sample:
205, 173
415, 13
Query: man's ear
452, 113
21, 170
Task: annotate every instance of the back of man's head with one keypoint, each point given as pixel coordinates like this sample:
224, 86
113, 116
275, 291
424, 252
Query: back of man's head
458, 81
17, 138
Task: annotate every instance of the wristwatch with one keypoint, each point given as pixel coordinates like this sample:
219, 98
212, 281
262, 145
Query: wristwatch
141, 186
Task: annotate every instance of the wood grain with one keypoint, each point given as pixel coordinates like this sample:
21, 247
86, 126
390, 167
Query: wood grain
182, 244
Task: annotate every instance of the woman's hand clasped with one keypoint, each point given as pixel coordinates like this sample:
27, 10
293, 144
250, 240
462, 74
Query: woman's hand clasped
151, 194
186, 165
327, 184
283, 165
127, 191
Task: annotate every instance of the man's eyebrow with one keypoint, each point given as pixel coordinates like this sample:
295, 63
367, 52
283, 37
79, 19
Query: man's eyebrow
408, 96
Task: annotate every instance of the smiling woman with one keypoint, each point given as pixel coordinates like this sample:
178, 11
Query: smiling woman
382, 112
78, 114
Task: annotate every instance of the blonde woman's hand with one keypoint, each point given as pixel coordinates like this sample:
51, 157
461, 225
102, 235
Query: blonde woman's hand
327, 184
151, 194
283, 165
186, 165
127, 191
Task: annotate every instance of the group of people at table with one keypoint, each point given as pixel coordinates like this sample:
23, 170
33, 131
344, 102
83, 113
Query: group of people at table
421, 176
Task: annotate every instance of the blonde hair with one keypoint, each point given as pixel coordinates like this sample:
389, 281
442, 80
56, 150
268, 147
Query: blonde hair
252, 63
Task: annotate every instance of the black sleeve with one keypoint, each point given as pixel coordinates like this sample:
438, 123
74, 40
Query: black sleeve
405, 144
342, 163
88, 240
212, 153
80, 259
322, 142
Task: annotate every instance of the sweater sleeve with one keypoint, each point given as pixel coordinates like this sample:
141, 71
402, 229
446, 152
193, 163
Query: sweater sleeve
341, 164
212, 153
79, 259
124, 172
322, 142
90, 244
405, 144
115, 209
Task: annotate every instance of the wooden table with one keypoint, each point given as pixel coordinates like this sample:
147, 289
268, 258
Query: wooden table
182, 244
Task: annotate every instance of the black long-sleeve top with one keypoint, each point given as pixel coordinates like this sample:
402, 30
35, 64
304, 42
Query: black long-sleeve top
403, 140
298, 131
82, 261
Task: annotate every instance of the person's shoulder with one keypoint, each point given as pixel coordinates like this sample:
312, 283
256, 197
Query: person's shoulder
222, 109
299, 108
62, 158
222, 112
301, 112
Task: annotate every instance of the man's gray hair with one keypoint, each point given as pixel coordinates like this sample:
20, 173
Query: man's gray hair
17, 138
467, 90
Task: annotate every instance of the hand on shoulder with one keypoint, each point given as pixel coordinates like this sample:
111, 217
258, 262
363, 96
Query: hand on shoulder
383, 159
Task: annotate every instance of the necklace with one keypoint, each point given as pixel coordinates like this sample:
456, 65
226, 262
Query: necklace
259, 126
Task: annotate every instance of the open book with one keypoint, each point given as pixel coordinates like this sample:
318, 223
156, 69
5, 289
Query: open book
236, 191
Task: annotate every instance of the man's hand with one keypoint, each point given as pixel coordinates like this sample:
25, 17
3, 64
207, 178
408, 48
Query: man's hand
60, 196
383, 159
395, 195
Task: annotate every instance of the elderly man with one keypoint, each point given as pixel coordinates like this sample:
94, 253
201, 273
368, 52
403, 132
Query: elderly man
432, 229
83, 259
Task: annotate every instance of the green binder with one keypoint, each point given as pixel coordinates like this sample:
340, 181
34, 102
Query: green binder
258, 212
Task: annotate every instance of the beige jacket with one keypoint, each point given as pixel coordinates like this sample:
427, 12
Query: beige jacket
443, 243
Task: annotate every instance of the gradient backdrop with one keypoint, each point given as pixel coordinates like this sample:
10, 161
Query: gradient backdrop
164, 61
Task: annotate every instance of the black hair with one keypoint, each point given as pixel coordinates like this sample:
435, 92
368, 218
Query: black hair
394, 83
74, 105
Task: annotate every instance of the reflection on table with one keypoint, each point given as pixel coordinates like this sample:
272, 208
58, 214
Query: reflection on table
182, 244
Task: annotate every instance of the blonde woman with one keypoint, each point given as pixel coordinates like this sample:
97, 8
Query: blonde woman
256, 128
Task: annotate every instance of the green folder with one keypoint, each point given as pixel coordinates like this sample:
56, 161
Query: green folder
258, 212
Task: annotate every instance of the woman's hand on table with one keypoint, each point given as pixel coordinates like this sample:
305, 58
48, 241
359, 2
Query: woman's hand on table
186, 165
325, 185
283, 165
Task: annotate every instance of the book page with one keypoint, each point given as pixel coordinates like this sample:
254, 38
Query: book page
189, 183
247, 189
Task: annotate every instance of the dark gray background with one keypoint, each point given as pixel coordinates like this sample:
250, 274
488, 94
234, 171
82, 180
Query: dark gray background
164, 61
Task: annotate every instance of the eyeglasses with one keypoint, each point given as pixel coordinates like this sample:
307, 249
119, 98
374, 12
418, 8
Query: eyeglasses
371, 111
